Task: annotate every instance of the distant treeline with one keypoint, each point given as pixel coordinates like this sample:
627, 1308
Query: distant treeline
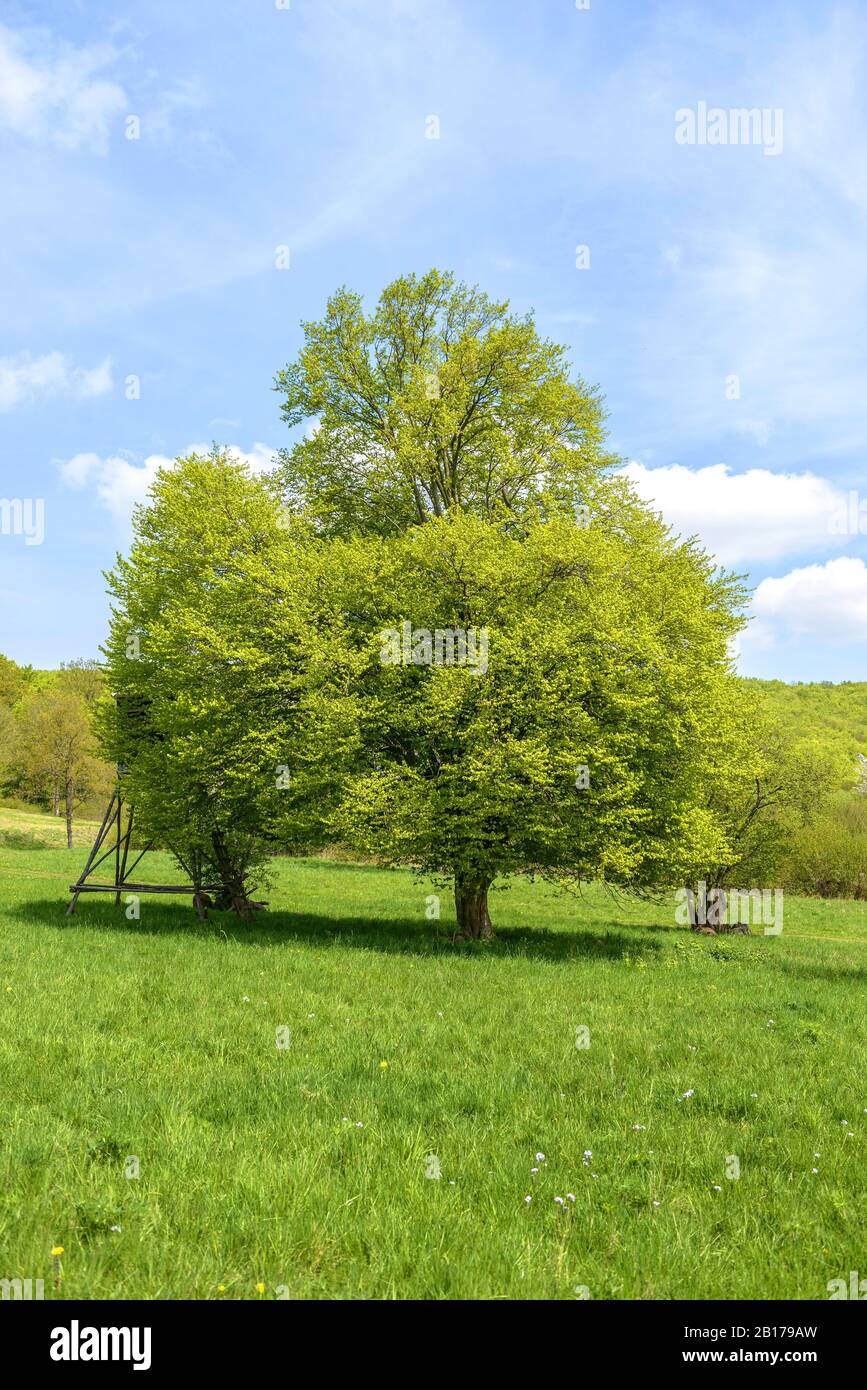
827, 857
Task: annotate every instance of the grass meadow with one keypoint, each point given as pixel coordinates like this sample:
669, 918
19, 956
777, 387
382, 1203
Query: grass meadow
302, 1170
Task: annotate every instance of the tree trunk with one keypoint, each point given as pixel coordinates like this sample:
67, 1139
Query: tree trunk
232, 892
70, 804
55, 797
471, 907
716, 912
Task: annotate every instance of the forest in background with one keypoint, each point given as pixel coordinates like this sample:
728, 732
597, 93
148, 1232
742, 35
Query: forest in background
48, 754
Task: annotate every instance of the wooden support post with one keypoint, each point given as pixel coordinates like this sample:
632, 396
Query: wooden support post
117, 848
127, 842
97, 845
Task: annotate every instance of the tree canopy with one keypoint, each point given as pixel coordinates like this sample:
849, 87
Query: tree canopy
440, 399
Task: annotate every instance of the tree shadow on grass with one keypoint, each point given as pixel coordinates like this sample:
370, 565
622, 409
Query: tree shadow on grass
607, 940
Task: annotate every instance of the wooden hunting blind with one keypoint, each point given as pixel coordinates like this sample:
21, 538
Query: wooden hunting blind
114, 837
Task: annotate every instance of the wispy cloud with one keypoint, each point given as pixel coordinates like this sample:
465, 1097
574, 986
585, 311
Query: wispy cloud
54, 92
24, 379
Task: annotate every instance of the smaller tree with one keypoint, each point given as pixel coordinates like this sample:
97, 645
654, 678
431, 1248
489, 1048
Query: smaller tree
766, 788
201, 660
54, 752
829, 856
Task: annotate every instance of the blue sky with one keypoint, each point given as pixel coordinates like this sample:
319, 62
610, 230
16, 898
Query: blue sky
722, 310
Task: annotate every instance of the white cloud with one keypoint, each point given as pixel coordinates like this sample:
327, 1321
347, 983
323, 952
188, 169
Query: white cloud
24, 378
258, 459
54, 92
826, 603
77, 472
757, 516
120, 484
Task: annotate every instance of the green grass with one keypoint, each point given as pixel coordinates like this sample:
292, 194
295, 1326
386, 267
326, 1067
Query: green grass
157, 1039
23, 829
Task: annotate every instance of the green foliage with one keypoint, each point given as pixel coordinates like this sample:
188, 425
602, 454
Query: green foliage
803, 826
604, 649
14, 681
51, 753
82, 677
202, 659
829, 856
440, 488
824, 716
439, 399
25, 696
765, 788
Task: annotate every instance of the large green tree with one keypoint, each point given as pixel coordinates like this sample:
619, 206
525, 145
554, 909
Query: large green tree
454, 490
